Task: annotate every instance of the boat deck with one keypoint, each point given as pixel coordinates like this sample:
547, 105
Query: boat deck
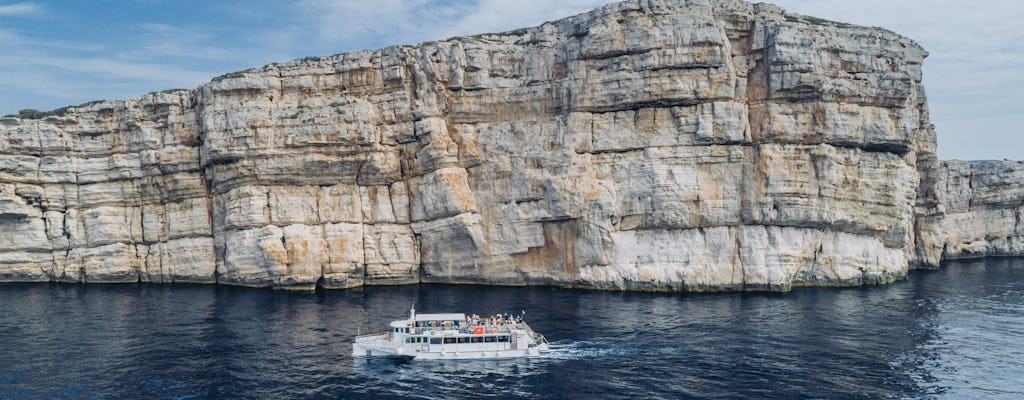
454, 336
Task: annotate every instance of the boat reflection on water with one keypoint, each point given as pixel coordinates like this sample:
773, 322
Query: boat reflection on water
513, 376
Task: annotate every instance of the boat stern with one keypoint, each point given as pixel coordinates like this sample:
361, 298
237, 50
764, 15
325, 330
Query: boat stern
370, 345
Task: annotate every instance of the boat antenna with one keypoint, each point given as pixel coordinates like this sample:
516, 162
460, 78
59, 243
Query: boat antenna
412, 312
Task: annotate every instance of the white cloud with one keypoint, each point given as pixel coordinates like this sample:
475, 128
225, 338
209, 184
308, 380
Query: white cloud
85, 58
44, 74
348, 22
13, 41
119, 70
345, 24
499, 15
19, 9
162, 41
974, 74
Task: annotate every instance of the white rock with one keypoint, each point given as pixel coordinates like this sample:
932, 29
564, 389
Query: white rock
650, 145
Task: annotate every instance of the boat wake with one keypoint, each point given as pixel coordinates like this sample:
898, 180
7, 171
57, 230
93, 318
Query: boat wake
576, 350
603, 349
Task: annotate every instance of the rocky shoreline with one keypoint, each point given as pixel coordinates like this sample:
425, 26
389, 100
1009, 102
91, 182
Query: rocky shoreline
674, 145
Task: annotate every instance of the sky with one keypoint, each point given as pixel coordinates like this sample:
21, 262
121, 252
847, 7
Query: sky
58, 53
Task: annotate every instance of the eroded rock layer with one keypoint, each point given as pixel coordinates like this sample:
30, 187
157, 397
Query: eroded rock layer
984, 203
653, 145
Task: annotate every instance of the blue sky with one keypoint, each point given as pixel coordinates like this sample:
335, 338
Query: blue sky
57, 53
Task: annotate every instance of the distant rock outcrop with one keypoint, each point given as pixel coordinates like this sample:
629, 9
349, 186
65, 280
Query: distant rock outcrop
983, 205
649, 144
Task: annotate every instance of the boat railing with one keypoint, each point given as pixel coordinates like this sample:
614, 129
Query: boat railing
537, 337
367, 337
472, 329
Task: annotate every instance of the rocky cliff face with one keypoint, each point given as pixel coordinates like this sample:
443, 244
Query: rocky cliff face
653, 145
983, 205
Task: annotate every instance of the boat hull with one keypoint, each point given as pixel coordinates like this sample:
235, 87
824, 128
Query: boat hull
479, 355
379, 346
453, 336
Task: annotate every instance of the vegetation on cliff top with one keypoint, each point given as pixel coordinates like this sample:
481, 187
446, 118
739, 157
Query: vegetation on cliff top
815, 21
229, 75
31, 113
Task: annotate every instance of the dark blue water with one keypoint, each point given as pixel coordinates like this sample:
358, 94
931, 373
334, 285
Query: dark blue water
955, 333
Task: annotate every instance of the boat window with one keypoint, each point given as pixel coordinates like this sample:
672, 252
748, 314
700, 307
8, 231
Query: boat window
463, 340
502, 338
435, 340
449, 340
488, 339
408, 340
477, 339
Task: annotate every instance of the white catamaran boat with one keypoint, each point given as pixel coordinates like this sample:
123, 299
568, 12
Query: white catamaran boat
453, 336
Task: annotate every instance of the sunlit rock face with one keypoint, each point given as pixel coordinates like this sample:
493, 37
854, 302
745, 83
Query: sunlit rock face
983, 207
106, 192
646, 145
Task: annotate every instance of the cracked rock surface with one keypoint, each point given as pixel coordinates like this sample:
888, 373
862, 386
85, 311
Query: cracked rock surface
983, 208
646, 145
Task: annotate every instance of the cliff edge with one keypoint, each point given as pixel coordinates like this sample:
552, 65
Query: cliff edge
647, 145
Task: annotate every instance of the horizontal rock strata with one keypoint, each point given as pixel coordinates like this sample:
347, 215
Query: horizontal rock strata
108, 192
649, 145
983, 203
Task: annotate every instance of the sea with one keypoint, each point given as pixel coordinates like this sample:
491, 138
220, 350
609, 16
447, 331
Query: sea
956, 332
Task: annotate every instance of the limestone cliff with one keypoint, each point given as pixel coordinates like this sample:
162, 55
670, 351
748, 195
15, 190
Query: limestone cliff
648, 144
983, 207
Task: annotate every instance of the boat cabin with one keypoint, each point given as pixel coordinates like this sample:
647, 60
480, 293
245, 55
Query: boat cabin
455, 335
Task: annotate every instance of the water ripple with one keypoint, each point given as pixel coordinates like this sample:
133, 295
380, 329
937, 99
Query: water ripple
953, 333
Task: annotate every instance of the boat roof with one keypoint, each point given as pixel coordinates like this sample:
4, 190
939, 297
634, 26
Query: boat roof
441, 317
